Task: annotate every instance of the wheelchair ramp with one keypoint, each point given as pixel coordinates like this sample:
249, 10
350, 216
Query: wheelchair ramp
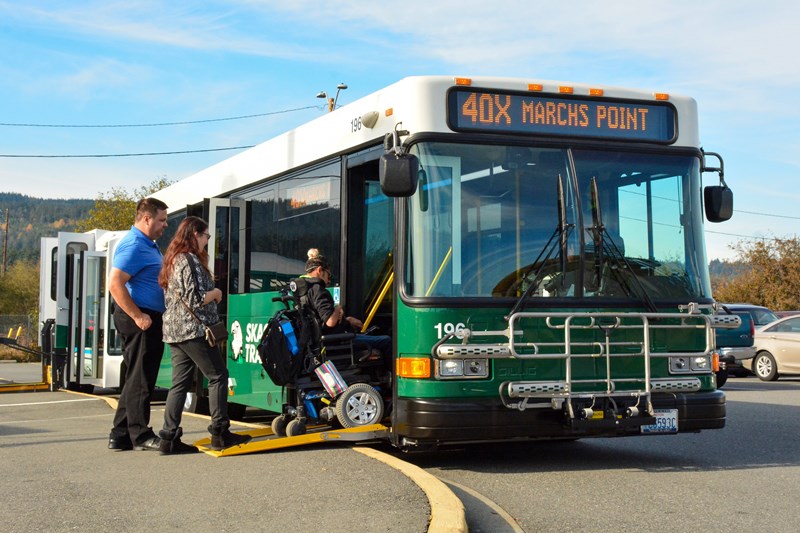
265, 440
25, 382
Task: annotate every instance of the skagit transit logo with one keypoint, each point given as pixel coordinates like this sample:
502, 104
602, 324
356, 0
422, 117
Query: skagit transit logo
244, 341
237, 340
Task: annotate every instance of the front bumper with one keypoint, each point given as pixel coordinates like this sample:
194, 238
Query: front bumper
453, 420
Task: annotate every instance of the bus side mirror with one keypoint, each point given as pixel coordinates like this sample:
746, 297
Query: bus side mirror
718, 201
399, 174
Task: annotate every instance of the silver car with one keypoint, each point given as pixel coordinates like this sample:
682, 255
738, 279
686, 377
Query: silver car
777, 349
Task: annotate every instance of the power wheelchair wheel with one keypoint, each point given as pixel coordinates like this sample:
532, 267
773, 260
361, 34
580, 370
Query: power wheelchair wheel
279, 425
296, 428
359, 405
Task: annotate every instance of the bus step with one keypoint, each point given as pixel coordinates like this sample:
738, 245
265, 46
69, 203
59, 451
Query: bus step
264, 440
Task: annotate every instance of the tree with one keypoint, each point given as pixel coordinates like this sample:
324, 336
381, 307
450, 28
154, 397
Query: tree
19, 289
116, 209
772, 279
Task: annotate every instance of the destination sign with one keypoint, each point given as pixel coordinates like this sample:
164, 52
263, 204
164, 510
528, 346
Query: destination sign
534, 114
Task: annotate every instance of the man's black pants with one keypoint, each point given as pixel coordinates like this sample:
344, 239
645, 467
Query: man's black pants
142, 353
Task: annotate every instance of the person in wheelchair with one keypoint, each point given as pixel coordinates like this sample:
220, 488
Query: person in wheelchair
332, 317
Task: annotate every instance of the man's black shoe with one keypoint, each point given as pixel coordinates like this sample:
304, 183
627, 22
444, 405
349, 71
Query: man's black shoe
153, 443
120, 443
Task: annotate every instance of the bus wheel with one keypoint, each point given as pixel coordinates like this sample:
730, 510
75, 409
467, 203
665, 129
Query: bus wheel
236, 411
279, 425
359, 405
296, 428
722, 378
86, 389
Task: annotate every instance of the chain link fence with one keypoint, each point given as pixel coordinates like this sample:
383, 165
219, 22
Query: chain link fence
24, 329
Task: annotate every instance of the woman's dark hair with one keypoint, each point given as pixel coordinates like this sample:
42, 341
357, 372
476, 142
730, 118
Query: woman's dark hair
183, 242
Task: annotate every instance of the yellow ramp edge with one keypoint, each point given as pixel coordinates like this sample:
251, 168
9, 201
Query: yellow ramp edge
23, 387
265, 440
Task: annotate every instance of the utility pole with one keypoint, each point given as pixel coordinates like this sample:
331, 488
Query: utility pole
5, 244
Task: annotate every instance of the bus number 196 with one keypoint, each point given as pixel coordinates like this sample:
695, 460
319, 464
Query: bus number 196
447, 328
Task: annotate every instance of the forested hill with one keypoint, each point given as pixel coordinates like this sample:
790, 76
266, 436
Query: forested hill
30, 219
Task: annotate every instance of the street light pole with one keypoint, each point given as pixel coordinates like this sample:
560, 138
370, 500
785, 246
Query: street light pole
332, 101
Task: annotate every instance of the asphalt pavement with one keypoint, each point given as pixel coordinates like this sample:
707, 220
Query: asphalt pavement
58, 475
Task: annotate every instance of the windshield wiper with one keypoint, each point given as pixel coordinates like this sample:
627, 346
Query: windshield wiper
562, 232
602, 239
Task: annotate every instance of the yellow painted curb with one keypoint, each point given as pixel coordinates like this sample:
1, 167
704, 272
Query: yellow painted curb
112, 402
447, 511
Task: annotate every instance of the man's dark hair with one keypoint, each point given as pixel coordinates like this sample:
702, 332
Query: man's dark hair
149, 206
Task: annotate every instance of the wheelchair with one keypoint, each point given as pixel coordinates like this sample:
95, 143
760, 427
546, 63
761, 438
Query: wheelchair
340, 383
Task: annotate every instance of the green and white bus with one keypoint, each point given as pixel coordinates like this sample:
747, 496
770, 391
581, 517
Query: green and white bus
534, 248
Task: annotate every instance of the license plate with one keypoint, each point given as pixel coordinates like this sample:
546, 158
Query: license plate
666, 422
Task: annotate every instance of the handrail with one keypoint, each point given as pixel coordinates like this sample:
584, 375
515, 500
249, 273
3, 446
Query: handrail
377, 303
439, 272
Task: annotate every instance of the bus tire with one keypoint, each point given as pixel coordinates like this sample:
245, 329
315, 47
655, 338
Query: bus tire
722, 378
236, 411
84, 388
359, 405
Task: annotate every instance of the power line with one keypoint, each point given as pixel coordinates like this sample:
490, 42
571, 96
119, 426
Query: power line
765, 214
28, 125
134, 155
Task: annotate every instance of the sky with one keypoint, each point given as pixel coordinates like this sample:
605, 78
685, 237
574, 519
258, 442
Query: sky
178, 76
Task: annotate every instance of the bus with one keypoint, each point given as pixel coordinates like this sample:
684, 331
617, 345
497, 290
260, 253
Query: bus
534, 248
81, 348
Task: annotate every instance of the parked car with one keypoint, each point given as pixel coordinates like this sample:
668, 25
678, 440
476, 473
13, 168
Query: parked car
742, 363
782, 314
761, 315
777, 349
734, 346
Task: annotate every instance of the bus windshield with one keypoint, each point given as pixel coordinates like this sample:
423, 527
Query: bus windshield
505, 221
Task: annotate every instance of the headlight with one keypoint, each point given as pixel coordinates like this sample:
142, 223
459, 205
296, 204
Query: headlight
451, 367
462, 368
688, 364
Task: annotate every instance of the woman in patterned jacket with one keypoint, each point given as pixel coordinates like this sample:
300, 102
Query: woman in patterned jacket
191, 304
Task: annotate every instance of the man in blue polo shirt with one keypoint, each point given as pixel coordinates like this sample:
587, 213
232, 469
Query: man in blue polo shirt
139, 303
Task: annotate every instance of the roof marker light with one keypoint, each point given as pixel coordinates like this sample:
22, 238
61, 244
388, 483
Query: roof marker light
464, 81
662, 96
535, 87
595, 92
563, 89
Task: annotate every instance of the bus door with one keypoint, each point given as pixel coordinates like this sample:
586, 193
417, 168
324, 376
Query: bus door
109, 340
47, 289
370, 241
91, 318
226, 246
70, 246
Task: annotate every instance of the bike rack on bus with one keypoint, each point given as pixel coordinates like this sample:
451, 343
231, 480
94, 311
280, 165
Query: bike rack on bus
633, 393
